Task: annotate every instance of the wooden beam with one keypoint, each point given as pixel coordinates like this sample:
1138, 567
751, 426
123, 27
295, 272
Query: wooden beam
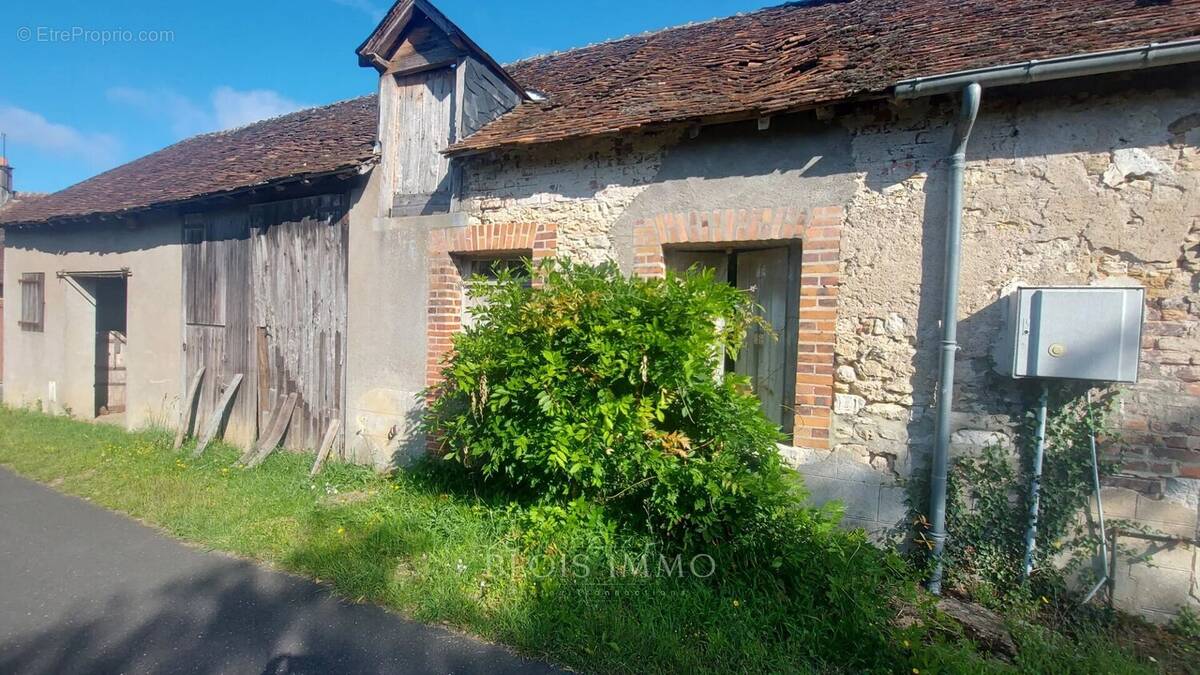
218, 416
282, 420
188, 411
326, 447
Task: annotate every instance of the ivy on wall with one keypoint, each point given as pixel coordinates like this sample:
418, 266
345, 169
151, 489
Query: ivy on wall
989, 494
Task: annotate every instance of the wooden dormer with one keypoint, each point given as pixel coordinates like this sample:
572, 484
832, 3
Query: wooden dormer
436, 86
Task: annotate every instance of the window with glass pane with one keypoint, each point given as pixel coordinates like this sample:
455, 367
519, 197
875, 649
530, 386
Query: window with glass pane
772, 276
33, 301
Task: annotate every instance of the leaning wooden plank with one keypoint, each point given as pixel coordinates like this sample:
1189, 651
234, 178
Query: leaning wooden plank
326, 446
218, 415
277, 430
188, 411
266, 430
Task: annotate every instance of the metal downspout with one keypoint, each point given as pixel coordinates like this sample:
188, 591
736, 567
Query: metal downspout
945, 392
1035, 483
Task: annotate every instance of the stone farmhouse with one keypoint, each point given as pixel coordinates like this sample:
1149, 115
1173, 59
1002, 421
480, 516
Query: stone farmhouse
806, 152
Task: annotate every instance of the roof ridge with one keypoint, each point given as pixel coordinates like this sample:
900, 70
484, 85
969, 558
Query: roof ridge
667, 29
266, 120
214, 134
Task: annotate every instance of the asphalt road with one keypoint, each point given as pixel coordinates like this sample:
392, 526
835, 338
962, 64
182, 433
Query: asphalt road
84, 590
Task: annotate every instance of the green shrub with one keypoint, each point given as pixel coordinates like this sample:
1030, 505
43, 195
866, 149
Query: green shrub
599, 386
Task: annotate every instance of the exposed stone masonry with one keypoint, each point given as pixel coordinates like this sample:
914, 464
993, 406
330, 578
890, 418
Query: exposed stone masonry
1069, 188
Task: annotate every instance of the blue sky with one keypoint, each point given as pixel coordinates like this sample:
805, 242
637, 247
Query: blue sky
75, 100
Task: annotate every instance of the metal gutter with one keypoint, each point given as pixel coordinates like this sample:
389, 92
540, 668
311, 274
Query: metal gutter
1079, 65
971, 83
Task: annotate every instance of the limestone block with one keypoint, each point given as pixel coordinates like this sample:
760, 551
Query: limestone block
972, 441
889, 411
895, 324
848, 404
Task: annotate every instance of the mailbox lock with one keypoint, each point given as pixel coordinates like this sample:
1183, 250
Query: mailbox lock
1057, 349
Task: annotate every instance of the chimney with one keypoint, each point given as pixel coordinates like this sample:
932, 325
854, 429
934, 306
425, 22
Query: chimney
6, 192
6, 184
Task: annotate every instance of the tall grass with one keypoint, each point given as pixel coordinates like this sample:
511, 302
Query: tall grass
428, 545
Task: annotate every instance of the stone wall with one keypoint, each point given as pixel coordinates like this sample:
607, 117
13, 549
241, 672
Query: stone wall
1084, 183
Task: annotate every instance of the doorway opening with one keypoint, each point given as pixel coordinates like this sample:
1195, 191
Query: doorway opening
112, 294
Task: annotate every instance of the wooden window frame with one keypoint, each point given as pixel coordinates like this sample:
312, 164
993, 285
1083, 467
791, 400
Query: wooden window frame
33, 292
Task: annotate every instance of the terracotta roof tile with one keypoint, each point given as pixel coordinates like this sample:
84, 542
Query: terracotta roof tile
807, 54
313, 141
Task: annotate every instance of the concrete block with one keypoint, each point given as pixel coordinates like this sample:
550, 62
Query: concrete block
860, 500
860, 471
1166, 511
1176, 556
893, 508
1118, 503
1162, 591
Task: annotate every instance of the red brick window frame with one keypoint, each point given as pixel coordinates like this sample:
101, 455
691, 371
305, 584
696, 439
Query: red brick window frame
819, 233
446, 281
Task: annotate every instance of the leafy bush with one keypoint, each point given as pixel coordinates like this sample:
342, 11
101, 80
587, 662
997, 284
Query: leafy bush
598, 386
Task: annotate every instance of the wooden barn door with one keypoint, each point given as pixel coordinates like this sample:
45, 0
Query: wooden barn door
299, 279
217, 298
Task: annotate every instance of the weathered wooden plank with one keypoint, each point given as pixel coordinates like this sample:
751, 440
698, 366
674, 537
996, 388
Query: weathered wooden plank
250, 452
300, 279
424, 124
326, 447
424, 46
218, 334
214, 422
264, 373
188, 410
271, 440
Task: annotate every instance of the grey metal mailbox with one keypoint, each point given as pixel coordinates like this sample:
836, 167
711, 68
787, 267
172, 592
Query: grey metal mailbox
1074, 332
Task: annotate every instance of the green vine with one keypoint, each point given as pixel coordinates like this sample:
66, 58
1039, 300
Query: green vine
988, 501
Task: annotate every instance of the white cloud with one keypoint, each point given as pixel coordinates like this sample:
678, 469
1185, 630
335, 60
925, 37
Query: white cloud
225, 108
234, 108
185, 117
366, 7
30, 128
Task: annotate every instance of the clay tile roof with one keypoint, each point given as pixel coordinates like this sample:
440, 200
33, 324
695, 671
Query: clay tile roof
807, 54
331, 138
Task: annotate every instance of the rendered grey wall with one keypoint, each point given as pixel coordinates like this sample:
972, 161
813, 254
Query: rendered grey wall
54, 368
385, 374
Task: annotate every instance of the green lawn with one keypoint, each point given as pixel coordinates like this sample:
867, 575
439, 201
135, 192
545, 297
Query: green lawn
423, 544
